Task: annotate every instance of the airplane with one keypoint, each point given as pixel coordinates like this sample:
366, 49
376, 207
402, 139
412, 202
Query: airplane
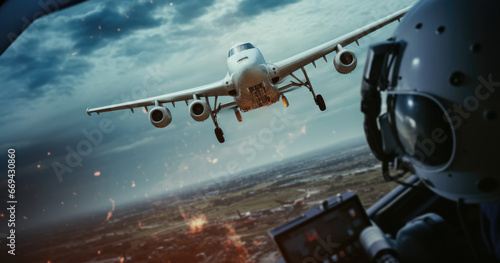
252, 82
299, 202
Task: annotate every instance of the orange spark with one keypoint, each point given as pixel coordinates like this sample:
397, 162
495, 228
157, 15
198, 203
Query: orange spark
118, 30
99, 27
110, 213
74, 193
38, 166
48, 153
98, 252
2, 215
25, 218
122, 259
97, 173
133, 184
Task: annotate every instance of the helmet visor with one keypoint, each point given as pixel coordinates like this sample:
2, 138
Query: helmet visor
423, 128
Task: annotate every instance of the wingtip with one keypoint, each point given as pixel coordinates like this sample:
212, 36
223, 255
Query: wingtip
90, 114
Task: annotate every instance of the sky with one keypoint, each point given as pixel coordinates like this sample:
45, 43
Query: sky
104, 52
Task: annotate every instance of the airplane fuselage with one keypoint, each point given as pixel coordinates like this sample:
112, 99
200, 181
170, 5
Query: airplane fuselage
249, 73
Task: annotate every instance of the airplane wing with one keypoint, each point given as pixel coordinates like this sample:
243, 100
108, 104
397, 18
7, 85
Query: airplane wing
289, 65
219, 88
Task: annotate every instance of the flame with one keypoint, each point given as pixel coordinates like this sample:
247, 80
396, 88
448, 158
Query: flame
122, 259
234, 240
196, 224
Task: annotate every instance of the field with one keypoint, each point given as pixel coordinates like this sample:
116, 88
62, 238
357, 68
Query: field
225, 223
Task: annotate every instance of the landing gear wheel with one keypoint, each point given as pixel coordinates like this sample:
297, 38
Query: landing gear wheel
320, 102
238, 115
285, 101
219, 134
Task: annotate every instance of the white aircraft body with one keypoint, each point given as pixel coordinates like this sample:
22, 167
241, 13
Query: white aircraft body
252, 82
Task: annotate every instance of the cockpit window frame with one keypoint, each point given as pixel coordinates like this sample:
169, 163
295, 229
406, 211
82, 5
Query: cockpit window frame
237, 49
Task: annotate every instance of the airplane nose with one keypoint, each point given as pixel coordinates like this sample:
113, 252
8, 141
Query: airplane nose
250, 77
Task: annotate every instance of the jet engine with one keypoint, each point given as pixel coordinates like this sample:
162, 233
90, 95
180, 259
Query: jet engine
345, 61
160, 117
274, 72
199, 110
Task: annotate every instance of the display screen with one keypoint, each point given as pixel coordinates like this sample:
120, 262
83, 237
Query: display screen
331, 236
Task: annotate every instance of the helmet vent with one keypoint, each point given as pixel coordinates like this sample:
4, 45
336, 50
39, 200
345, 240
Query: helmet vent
440, 30
476, 47
457, 78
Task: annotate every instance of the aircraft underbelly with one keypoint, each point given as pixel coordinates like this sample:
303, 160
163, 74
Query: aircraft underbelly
257, 96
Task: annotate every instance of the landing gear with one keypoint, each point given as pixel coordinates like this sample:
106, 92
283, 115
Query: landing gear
320, 102
317, 98
219, 134
238, 115
285, 101
218, 131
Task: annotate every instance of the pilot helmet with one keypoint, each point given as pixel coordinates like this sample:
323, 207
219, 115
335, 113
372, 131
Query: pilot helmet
440, 76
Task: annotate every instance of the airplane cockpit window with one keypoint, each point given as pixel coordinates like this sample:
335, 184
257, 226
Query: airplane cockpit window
238, 49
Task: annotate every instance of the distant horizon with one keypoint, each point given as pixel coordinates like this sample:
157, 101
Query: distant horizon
190, 188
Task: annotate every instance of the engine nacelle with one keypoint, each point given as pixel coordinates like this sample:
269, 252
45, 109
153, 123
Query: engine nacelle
160, 117
345, 61
199, 110
274, 72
